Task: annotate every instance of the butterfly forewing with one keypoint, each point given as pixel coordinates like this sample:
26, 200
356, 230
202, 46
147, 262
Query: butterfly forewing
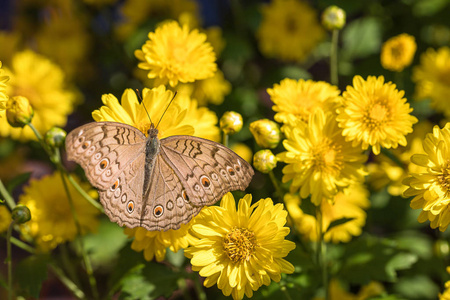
207, 169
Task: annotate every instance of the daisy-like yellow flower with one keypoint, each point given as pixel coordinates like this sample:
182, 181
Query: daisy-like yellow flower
3, 80
212, 90
337, 292
398, 52
319, 161
181, 118
383, 171
51, 221
241, 249
296, 100
175, 54
432, 78
5, 218
43, 84
289, 30
155, 243
446, 294
375, 113
351, 203
430, 189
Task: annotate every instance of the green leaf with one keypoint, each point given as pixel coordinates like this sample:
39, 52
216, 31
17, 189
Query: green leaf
177, 259
109, 234
18, 180
429, 7
30, 273
152, 281
417, 287
415, 242
370, 258
361, 38
339, 222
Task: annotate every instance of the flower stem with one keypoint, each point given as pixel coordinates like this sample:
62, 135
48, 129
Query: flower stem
322, 250
8, 259
8, 198
22, 245
198, 287
87, 262
67, 282
334, 57
225, 139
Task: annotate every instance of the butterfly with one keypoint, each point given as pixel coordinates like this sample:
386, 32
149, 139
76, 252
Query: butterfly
152, 183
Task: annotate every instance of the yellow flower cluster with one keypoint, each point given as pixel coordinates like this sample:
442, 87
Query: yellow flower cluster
326, 134
3, 80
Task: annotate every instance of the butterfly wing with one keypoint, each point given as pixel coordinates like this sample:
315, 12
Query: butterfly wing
166, 203
206, 169
113, 157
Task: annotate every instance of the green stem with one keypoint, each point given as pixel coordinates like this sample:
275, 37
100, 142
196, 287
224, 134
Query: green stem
22, 245
87, 262
67, 282
9, 200
9, 259
225, 139
40, 140
321, 250
286, 293
276, 185
334, 57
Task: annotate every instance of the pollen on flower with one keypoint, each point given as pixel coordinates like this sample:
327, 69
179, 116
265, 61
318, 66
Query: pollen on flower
239, 244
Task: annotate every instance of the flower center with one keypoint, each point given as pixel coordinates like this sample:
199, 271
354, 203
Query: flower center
444, 178
325, 158
239, 244
377, 115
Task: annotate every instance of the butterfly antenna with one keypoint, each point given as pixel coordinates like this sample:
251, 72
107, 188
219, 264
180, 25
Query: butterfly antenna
173, 98
142, 101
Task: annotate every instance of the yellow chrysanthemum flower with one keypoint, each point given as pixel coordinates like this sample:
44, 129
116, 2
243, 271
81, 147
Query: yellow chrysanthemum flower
51, 221
383, 171
212, 90
137, 12
242, 249
432, 78
155, 243
398, 52
320, 162
446, 294
182, 117
352, 203
42, 82
375, 113
296, 100
430, 189
5, 218
174, 53
337, 292
289, 30
3, 80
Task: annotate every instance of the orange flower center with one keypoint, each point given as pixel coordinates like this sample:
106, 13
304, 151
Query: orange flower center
239, 244
377, 115
444, 178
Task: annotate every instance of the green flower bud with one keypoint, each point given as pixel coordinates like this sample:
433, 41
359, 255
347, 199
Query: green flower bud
333, 17
264, 161
266, 133
21, 214
19, 111
231, 122
441, 248
55, 137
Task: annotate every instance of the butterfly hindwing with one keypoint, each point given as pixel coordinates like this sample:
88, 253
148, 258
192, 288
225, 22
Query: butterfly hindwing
207, 169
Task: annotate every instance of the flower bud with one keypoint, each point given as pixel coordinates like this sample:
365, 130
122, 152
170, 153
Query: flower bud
21, 214
55, 137
264, 161
19, 111
231, 122
266, 133
333, 17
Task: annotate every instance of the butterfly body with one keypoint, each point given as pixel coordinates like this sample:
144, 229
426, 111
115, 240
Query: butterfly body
152, 183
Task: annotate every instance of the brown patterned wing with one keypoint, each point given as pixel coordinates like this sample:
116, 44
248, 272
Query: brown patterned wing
166, 204
113, 158
207, 170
